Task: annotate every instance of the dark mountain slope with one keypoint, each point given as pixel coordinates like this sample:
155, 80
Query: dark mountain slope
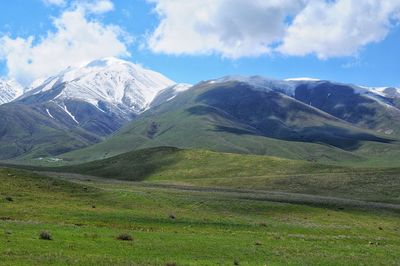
238, 117
353, 104
24, 130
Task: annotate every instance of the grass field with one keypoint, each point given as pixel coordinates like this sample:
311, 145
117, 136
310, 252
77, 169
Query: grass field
167, 165
176, 227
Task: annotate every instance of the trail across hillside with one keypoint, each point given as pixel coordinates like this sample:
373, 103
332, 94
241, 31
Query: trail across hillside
275, 196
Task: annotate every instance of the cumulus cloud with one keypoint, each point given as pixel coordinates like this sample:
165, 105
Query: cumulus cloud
237, 28
76, 39
96, 6
339, 28
233, 28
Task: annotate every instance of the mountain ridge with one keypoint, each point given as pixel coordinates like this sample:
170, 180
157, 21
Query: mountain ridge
233, 116
9, 90
230, 114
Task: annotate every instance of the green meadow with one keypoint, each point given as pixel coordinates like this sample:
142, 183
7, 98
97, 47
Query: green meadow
189, 223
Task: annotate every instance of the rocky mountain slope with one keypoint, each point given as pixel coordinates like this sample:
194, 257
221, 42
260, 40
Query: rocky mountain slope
9, 90
84, 104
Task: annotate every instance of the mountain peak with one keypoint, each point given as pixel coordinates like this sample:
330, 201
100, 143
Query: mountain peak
9, 90
100, 95
105, 62
106, 80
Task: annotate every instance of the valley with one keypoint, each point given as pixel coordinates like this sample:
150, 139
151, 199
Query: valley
199, 133
111, 163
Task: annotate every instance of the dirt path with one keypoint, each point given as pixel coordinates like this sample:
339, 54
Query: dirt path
275, 196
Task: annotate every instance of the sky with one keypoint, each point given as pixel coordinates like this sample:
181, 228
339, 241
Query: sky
350, 41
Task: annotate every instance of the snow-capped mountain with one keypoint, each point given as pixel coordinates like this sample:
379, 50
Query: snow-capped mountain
99, 96
289, 86
388, 92
107, 83
9, 90
371, 108
77, 107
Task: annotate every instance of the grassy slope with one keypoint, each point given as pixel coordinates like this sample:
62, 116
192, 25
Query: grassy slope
211, 169
209, 228
26, 132
203, 136
168, 163
188, 122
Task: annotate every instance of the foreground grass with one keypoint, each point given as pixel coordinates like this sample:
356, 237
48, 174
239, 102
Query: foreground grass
185, 228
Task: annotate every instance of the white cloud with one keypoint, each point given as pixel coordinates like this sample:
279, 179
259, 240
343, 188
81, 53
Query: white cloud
238, 28
76, 39
232, 28
96, 6
339, 28
55, 2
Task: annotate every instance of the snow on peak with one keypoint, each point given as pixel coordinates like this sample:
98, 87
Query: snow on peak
181, 87
105, 62
9, 90
111, 80
169, 93
261, 83
388, 92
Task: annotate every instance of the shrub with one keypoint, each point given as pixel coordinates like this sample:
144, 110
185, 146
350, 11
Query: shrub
45, 236
9, 199
125, 237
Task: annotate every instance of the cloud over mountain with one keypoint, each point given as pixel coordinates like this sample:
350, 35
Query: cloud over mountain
77, 37
239, 28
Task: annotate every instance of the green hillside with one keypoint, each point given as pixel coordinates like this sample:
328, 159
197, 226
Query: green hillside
167, 165
27, 133
232, 117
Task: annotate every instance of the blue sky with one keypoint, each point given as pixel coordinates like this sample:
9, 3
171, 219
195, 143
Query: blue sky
231, 43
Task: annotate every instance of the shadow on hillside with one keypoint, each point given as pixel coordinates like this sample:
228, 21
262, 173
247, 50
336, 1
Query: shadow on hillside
328, 135
338, 100
242, 110
133, 166
342, 138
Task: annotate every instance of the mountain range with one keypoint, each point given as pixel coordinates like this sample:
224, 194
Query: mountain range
111, 106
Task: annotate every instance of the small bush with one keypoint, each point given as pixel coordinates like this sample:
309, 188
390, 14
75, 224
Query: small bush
125, 237
170, 264
45, 236
172, 216
9, 199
